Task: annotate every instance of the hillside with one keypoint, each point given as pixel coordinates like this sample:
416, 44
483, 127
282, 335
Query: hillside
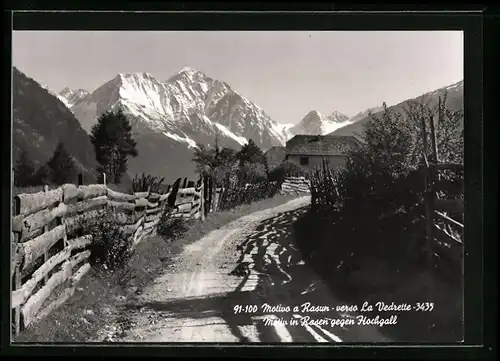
365, 113
40, 120
455, 100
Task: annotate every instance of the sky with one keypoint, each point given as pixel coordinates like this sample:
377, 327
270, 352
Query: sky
286, 73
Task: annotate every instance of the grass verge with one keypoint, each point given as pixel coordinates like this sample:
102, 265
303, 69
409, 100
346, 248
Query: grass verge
96, 302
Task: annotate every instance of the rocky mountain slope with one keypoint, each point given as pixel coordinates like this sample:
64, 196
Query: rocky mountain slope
455, 101
40, 120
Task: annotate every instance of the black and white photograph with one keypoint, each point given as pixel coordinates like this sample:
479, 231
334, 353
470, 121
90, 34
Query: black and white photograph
237, 186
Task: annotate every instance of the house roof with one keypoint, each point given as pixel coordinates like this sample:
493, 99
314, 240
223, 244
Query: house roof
321, 144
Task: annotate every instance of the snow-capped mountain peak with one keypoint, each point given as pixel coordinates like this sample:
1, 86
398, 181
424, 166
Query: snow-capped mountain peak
71, 96
315, 123
187, 69
137, 76
337, 117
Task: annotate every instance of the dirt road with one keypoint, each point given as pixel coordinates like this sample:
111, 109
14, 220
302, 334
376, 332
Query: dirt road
244, 266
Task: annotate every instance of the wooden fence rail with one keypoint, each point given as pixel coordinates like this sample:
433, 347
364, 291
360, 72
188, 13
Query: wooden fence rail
50, 255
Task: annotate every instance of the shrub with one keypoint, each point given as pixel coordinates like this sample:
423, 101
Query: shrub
251, 173
378, 196
111, 247
170, 227
383, 178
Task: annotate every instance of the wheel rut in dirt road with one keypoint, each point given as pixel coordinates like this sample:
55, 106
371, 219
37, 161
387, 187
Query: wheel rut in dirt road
251, 262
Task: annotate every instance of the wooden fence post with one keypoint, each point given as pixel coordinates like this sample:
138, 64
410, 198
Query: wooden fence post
80, 179
17, 311
209, 202
202, 202
17, 271
104, 178
219, 195
205, 194
433, 140
435, 154
427, 194
46, 251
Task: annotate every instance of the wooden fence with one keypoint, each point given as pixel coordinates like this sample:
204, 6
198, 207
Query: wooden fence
189, 203
50, 250
228, 197
444, 233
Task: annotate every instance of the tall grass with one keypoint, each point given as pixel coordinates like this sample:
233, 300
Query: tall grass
144, 183
326, 187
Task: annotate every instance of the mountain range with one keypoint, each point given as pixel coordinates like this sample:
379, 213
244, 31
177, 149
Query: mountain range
169, 118
188, 108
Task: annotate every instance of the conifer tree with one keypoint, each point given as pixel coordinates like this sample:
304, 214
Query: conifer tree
250, 153
43, 175
62, 166
251, 163
24, 170
113, 144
